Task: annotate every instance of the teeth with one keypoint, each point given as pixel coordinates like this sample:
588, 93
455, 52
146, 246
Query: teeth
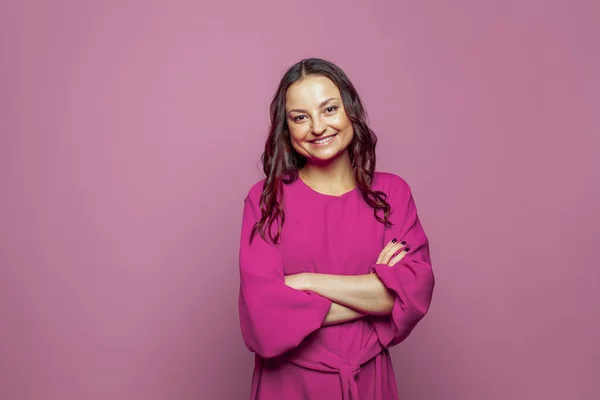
321, 141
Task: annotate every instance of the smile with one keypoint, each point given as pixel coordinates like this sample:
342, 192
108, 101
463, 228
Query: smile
325, 140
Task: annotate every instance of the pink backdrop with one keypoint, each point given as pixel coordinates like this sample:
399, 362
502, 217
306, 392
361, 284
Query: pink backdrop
131, 131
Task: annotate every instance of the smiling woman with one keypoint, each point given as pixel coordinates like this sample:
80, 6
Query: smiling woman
324, 295
319, 129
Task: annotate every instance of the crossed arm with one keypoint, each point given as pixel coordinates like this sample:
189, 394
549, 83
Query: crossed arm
353, 296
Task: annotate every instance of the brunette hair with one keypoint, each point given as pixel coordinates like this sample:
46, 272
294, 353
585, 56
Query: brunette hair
281, 162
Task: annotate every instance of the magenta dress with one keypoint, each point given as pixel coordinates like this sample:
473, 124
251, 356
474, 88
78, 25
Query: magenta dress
296, 358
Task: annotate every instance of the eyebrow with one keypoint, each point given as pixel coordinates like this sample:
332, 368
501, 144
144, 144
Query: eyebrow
320, 105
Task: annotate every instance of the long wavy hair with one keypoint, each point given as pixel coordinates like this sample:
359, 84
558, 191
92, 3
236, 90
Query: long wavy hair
281, 162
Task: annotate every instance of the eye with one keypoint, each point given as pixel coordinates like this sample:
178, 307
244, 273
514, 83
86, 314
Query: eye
331, 109
298, 118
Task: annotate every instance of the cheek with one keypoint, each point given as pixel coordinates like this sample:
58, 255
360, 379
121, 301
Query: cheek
341, 122
297, 132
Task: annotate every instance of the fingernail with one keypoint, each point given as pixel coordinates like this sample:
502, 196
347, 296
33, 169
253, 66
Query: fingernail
403, 243
394, 240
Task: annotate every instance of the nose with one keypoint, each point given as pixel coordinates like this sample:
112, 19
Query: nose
318, 127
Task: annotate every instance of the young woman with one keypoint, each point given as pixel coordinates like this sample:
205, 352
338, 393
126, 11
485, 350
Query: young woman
334, 263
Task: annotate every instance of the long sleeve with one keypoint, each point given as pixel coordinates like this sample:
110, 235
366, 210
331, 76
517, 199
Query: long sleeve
411, 280
274, 318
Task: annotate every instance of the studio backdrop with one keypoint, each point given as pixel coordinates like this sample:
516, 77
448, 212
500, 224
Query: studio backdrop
130, 132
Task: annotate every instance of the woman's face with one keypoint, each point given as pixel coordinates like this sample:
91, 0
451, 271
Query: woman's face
319, 128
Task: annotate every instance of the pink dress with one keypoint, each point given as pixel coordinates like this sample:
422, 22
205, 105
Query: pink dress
296, 358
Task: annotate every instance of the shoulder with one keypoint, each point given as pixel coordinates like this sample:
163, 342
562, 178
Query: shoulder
255, 191
390, 183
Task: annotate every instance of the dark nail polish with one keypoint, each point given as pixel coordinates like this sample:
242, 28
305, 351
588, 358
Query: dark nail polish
407, 249
403, 243
394, 240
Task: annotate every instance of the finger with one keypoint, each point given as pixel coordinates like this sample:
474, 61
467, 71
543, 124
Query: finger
387, 247
398, 257
389, 253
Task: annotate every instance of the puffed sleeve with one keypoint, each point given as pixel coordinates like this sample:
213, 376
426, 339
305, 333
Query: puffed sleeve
274, 318
411, 280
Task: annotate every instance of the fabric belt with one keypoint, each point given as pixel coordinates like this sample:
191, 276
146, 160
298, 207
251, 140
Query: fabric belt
348, 370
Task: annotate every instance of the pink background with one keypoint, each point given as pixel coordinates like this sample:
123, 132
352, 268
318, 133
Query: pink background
131, 130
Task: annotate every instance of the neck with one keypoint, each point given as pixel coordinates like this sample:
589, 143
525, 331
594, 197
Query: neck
334, 177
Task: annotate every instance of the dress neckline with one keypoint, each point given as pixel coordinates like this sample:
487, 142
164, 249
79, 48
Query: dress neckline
325, 195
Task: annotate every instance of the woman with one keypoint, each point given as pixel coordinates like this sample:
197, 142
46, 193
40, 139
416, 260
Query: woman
334, 263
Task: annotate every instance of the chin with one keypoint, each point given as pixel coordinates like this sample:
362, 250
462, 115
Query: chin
325, 158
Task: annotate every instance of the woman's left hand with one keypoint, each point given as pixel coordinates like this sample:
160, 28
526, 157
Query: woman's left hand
298, 281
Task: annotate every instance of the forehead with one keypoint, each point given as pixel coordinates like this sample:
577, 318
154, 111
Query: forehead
310, 92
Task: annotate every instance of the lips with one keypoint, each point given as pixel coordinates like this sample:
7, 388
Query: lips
323, 139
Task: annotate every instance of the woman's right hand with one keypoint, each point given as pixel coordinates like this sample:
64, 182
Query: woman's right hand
390, 256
